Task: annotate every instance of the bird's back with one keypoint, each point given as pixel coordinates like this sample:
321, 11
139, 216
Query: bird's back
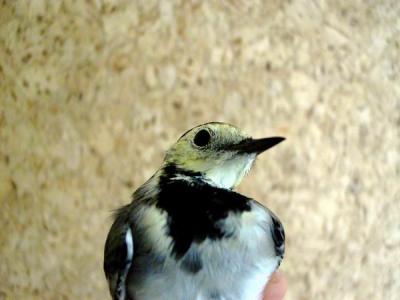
187, 235
195, 241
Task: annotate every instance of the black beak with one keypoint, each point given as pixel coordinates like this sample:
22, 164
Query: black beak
256, 145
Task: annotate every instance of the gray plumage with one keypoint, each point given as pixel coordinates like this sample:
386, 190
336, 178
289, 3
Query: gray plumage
187, 235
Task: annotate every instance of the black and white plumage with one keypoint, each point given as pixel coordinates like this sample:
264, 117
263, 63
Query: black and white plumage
187, 234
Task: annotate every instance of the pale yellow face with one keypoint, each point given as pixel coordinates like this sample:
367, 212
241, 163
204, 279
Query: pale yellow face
205, 149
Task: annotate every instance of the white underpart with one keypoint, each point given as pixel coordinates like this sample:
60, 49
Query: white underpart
230, 172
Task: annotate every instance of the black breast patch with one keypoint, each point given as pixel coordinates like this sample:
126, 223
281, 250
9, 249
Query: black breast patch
194, 208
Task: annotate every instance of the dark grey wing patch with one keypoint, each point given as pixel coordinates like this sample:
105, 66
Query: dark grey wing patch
278, 235
214, 295
118, 255
191, 262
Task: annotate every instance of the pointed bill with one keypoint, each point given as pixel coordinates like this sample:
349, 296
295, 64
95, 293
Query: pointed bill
256, 146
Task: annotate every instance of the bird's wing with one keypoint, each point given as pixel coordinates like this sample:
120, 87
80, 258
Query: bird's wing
276, 229
118, 255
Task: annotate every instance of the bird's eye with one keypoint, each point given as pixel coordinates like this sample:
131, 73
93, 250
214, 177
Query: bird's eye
202, 138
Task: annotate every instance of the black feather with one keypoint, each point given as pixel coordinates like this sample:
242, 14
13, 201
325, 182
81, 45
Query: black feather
194, 208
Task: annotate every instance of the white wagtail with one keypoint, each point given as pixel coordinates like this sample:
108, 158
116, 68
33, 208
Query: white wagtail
187, 235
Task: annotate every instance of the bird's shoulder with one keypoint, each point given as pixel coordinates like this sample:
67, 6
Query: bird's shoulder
194, 210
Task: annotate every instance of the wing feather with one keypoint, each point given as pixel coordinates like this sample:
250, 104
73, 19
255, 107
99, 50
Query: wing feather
118, 256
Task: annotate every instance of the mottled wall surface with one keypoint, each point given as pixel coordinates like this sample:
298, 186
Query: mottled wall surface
93, 92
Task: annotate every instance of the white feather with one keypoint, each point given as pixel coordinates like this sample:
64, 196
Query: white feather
154, 224
228, 174
129, 244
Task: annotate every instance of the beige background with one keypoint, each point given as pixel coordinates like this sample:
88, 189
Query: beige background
93, 93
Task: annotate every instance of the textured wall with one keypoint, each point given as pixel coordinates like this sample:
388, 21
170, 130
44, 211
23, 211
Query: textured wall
93, 92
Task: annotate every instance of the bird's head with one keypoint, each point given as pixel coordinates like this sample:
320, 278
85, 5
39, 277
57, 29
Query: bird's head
222, 153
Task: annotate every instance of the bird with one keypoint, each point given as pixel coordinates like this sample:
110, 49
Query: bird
187, 235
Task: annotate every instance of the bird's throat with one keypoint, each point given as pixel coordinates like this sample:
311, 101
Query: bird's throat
230, 173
